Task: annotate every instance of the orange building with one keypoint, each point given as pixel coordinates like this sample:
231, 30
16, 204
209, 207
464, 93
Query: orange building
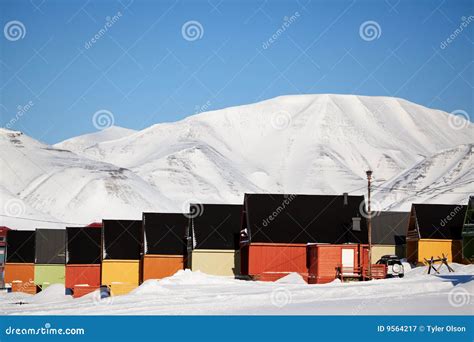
164, 244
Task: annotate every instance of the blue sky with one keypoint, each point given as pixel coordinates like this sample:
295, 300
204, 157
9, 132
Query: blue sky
144, 71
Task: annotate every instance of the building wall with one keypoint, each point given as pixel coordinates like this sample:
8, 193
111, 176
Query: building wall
428, 248
120, 271
325, 259
275, 258
46, 275
380, 250
82, 275
215, 261
24, 272
161, 266
412, 251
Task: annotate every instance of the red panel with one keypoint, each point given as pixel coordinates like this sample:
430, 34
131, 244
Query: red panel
82, 274
324, 260
267, 261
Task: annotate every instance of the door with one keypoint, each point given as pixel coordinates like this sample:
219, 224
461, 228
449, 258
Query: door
348, 260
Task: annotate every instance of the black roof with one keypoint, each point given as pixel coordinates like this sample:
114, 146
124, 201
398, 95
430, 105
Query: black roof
122, 239
215, 226
165, 233
21, 246
277, 218
50, 246
83, 245
390, 227
469, 220
440, 221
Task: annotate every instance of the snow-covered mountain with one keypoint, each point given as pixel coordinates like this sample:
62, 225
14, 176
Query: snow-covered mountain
65, 187
319, 144
87, 140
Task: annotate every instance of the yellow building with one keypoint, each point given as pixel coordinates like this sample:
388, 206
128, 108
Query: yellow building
435, 230
215, 261
121, 248
213, 239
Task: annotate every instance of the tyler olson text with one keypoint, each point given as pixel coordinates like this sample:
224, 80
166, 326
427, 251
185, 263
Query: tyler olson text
445, 329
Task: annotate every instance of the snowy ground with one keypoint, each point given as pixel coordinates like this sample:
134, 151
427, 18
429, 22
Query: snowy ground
195, 293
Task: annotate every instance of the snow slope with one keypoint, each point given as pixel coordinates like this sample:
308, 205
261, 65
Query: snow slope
195, 293
87, 140
445, 177
65, 187
299, 144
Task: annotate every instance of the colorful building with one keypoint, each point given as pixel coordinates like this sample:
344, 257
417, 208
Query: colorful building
276, 230
468, 233
50, 257
164, 244
3, 247
435, 230
20, 261
121, 249
213, 239
83, 256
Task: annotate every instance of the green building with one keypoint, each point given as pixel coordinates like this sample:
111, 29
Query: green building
468, 232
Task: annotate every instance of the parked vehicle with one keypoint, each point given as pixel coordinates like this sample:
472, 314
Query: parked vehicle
394, 265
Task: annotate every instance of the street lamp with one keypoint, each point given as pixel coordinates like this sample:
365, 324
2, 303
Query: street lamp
369, 221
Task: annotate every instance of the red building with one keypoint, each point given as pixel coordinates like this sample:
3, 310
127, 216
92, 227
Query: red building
83, 255
328, 262
3, 245
276, 230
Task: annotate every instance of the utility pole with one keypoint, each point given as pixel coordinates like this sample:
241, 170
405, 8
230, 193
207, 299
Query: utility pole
369, 222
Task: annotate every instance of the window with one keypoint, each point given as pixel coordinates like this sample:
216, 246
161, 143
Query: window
356, 224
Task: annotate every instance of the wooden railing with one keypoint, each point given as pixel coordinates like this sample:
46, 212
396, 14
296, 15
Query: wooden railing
362, 273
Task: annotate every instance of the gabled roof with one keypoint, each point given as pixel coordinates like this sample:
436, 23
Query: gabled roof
122, 239
277, 218
390, 227
215, 226
165, 233
83, 245
50, 245
439, 221
21, 246
469, 219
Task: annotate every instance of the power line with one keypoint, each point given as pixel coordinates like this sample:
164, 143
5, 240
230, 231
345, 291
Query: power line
38, 220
